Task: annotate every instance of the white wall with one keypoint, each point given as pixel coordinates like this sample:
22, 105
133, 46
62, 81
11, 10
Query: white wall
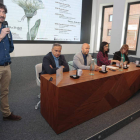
118, 25
42, 49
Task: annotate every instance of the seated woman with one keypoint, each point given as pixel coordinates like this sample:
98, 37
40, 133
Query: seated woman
102, 56
122, 53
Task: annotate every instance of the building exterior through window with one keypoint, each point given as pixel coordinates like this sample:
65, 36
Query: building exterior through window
133, 26
107, 23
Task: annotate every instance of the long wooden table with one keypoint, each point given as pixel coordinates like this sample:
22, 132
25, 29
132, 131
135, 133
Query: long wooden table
74, 101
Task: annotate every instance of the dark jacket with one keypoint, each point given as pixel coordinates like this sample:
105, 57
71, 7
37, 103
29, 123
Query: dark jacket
117, 56
49, 60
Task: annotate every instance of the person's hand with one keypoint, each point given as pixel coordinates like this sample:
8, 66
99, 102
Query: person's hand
4, 32
125, 62
116, 61
63, 67
51, 66
96, 68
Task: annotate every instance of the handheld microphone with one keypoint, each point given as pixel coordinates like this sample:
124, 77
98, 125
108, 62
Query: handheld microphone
5, 23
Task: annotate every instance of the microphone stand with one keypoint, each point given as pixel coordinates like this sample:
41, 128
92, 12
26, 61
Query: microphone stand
74, 76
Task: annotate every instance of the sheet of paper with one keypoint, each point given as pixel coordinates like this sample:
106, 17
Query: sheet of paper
112, 67
59, 75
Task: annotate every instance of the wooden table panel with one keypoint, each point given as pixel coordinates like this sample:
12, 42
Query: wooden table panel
74, 101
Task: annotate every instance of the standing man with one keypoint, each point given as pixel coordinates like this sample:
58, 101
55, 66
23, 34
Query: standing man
53, 60
82, 60
6, 47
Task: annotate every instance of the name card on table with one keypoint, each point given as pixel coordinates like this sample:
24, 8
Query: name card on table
59, 75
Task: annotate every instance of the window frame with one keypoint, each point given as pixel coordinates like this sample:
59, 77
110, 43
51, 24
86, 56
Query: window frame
102, 22
126, 27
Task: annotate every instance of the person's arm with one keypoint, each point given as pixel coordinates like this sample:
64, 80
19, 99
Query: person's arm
96, 68
76, 61
65, 64
47, 66
115, 61
116, 57
127, 59
103, 60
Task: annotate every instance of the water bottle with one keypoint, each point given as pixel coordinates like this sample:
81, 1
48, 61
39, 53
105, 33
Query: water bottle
92, 67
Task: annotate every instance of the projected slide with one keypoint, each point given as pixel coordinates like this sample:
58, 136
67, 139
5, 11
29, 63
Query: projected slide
44, 20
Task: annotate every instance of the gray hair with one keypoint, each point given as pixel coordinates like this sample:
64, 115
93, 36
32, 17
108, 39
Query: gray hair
56, 44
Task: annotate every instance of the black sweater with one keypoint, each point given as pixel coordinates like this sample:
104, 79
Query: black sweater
117, 56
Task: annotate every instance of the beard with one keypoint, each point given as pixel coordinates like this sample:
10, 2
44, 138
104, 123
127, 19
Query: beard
2, 19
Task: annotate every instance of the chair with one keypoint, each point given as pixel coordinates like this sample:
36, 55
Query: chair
71, 67
95, 60
38, 69
110, 59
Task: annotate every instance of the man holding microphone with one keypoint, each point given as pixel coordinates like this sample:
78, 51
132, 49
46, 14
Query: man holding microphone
6, 47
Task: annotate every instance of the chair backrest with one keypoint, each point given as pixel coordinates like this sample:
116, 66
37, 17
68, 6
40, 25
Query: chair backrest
38, 69
110, 59
70, 63
95, 60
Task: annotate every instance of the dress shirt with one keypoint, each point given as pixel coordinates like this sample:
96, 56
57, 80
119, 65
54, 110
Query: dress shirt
6, 47
56, 59
122, 55
85, 59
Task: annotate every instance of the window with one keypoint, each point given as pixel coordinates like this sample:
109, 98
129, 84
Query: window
110, 18
109, 32
132, 27
107, 17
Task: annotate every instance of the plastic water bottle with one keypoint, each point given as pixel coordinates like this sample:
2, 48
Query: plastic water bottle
92, 67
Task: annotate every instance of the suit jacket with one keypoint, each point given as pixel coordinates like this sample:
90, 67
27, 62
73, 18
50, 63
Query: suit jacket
49, 60
78, 61
117, 56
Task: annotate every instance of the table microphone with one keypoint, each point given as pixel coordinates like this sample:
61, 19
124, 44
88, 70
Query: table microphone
5, 23
73, 76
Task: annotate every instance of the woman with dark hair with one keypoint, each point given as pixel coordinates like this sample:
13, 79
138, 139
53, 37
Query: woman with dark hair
102, 56
122, 53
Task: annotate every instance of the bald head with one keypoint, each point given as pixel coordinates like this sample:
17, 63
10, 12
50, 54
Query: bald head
85, 48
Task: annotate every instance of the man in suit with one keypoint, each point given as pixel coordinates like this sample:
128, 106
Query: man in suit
82, 60
53, 60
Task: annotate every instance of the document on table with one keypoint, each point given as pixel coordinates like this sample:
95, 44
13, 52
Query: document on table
59, 75
112, 67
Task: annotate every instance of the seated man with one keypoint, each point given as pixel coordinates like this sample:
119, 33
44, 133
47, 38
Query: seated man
82, 60
53, 60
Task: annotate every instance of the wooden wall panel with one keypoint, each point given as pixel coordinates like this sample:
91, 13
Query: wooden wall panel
75, 101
